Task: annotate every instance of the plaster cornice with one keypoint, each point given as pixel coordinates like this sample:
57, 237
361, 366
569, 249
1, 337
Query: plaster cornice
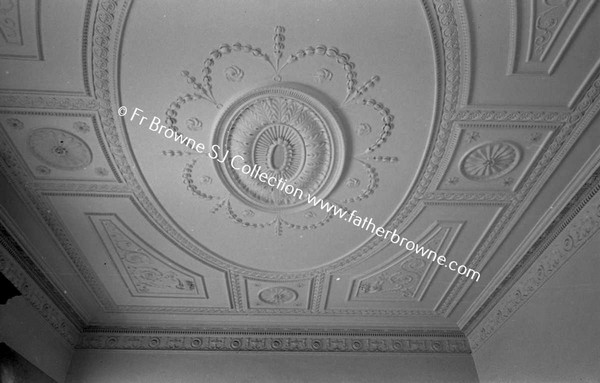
577, 222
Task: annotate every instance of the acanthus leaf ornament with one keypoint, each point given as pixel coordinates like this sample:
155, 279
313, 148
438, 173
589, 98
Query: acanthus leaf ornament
149, 275
287, 134
546, 24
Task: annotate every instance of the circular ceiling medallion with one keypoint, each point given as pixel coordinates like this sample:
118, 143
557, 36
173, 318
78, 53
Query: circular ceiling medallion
277, 295
59, 149
490, 160
285, 133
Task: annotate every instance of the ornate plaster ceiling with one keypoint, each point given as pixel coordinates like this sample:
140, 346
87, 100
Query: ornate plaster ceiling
455, 123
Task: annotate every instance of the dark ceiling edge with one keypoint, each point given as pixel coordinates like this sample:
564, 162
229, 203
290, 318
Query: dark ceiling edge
587, 191
42, 296
9, 242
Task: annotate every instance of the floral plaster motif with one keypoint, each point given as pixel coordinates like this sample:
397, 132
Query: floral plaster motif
81, 127
194, 124
101, 171
353, 183
363, 129
278, 295
489, 161
234, 74
322, 75
15, 123
43, 170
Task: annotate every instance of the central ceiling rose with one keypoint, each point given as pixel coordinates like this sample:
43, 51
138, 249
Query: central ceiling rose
288, 134
297, 134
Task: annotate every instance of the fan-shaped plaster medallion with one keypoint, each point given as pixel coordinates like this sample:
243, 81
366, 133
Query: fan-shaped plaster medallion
490, 160
59, 149
278, 295
287, 134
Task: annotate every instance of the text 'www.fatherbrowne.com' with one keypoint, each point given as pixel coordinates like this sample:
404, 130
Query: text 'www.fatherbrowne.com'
238, 162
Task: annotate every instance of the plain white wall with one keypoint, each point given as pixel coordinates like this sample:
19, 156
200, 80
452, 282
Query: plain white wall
100, 366
555, 336
26, 332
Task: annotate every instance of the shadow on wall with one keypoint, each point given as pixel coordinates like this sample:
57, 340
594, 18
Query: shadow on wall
16, 369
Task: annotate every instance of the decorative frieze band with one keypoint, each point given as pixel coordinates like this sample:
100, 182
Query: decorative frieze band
48, 102
453, 343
